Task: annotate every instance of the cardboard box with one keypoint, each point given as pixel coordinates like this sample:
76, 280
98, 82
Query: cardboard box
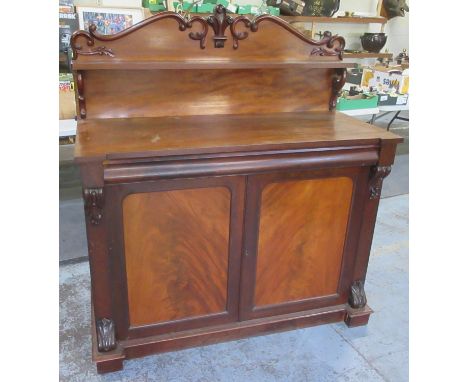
392, 99
205, 8
360, 101
185, 5
385, 80
247, 10
354, 76
274, 11
67, 109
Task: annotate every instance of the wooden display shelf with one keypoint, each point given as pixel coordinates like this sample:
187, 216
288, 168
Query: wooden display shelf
367, 55
338, 20
315, 19
210, 64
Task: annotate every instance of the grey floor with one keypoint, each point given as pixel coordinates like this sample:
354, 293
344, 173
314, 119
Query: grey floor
378, 352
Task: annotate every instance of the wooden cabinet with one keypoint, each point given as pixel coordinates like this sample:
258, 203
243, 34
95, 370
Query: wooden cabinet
224, 197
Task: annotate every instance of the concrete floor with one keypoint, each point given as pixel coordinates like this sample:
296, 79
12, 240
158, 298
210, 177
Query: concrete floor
377, 352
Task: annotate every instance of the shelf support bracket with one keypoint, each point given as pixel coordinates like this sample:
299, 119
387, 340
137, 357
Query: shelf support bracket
338, 80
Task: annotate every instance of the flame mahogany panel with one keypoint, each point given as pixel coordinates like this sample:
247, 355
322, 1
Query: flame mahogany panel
151, 93
301, 238
176, 253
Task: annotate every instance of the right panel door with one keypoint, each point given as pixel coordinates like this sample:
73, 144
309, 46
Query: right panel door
297, 250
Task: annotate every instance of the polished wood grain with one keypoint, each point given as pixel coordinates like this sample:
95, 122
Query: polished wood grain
176, 253
146, 137
101, 63
160, 39
232, 202
204, 92
301, 238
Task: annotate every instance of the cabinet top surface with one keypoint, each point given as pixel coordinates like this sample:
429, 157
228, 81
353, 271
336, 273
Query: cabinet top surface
125, 138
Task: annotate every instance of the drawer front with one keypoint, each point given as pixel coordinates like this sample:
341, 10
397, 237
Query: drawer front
176, 251
297, 255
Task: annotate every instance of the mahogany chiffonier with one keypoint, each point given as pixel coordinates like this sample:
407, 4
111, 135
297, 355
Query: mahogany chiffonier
224, 197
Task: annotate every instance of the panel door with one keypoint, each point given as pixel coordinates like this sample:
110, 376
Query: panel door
176, 249
298, 252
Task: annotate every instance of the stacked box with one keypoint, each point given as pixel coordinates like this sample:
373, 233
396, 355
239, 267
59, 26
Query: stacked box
247, 9
156, 5
185, 5
274, 11
360, 101
386, 99
205, 8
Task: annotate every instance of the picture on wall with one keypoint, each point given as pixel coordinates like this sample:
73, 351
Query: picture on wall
109, 20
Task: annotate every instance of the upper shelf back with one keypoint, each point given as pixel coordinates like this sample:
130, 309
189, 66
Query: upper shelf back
218, 38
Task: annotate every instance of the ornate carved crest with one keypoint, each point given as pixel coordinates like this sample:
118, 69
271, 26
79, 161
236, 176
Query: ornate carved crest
105, 334
357, 298
377, 175
219, 21
93, 203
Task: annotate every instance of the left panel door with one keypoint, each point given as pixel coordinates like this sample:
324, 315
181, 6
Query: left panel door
175, 251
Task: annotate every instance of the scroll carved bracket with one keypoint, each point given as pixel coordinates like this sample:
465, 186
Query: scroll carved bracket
94, 203
377, 175
89, 37
105, 330
357, 297
80, 94
338, 81
219, 21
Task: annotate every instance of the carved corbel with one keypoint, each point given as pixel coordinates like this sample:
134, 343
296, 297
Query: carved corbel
338, 80
219, 21
94, 203
105, 334
377, 175
357, 297
80, 94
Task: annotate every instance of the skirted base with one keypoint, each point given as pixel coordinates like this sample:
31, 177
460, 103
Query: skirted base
113, 360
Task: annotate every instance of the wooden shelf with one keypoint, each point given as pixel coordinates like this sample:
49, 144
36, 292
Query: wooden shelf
314, 19
344, 20
367, 55
116, 138
211, 64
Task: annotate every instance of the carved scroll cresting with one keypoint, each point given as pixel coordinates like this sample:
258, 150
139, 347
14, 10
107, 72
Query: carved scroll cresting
357, 297
77, 48
218, 21
94, 203
328, 46
105, 331
377, 175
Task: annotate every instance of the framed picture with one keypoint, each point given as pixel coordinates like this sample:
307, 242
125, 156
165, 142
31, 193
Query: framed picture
109, 20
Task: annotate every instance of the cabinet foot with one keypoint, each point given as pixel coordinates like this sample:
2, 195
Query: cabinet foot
106, 361
357, 317
109, 366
